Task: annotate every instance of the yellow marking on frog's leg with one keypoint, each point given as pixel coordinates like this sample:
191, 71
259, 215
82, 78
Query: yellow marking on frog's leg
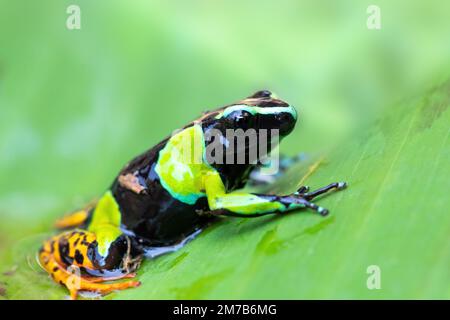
77, 283
61, 255
105, 222
76, 218
238, 203
254, 205
87, 250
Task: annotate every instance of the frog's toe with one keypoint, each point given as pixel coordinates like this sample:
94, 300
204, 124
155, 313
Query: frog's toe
302, 190
77, 284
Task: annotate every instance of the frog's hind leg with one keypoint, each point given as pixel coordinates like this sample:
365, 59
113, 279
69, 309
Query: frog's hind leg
76, 218
77, 283
65, 257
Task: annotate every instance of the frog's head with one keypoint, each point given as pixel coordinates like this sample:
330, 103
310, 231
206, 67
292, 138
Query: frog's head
259, 119
262, 110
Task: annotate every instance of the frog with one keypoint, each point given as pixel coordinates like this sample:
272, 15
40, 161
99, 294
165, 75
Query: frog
161, 198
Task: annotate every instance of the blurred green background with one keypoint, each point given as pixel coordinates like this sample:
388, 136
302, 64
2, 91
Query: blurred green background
75, 105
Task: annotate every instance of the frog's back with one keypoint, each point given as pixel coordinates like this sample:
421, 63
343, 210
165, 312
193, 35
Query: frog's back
159, 192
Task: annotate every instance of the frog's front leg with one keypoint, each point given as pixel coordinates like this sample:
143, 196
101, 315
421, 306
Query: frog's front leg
254, 205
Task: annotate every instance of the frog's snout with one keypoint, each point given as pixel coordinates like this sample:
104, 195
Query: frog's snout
286, 122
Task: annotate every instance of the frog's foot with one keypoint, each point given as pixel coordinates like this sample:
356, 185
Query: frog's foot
67, 256
304, 197
75, 282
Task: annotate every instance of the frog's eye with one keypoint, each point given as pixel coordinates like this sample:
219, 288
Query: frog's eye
262, 94
242, 119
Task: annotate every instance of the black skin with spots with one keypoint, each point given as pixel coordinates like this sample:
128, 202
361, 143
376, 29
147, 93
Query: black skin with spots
78, 257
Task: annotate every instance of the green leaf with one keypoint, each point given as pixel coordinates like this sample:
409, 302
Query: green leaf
393, 215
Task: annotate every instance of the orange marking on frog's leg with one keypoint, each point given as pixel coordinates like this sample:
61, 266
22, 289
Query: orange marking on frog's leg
76, 218
79, 284
58, 256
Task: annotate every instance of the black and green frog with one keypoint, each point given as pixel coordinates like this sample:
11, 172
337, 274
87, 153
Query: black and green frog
160, 198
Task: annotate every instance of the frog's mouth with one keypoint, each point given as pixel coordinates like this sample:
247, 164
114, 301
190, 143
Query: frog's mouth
284, 120
287, 121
